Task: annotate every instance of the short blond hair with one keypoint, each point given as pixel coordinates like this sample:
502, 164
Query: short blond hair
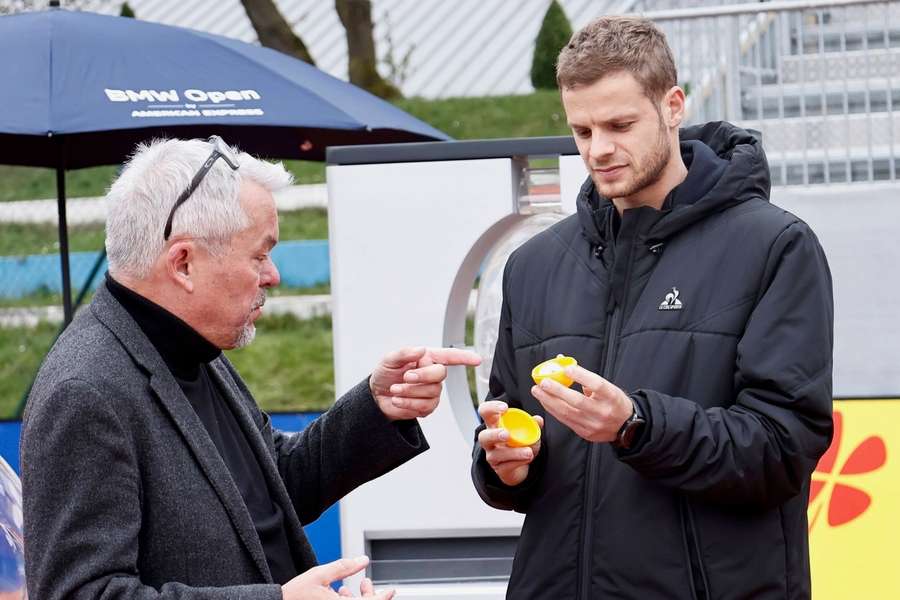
612, 44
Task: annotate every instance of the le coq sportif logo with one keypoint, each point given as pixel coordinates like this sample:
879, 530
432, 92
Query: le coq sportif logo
671, 301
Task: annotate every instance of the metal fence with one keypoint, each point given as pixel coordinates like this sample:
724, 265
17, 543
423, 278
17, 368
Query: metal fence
819, 79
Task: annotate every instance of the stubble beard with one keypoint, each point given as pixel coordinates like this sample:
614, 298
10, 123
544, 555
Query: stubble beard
648, 174
245, 336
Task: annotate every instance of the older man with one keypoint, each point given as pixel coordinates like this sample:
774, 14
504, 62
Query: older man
148, 470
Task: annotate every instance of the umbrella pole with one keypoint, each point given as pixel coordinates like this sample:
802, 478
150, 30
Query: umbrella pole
63, 243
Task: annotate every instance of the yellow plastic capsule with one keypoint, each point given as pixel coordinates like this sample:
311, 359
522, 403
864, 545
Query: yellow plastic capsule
554, 369
523, 429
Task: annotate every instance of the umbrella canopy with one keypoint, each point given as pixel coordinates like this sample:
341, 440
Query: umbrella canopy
81, 89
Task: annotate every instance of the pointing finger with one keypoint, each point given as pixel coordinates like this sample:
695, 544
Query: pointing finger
454, 356
399, 358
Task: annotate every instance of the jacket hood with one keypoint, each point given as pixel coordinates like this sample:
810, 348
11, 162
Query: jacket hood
727, 166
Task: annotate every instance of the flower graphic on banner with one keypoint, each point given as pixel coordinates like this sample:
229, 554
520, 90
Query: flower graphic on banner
846, 501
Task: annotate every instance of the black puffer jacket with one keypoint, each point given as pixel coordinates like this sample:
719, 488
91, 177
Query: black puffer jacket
715, 314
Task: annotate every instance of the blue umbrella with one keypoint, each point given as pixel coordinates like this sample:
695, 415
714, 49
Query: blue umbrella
82, 89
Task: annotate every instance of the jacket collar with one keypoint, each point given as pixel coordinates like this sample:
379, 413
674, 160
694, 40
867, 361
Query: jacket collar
741, 173
113, 315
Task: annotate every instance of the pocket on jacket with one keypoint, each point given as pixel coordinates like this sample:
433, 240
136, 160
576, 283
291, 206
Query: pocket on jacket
742, 552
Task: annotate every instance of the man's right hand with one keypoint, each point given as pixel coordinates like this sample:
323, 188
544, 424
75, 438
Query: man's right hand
510, 464
315, 584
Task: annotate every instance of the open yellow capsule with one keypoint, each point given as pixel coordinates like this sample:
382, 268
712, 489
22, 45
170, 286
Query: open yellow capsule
554, 369
523, 429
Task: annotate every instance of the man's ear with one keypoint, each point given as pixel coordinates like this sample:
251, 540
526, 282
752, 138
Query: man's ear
180, 262
673, 106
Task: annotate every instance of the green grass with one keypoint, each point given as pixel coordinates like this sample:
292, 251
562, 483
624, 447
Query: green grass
289, 367
305, 171
283, 375
17, 239
42, 297
303, 224
23, 239
21, 352
32, 183
45, 297
536, 114
315, 290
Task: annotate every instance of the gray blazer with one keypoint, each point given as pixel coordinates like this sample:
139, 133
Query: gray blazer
125, 495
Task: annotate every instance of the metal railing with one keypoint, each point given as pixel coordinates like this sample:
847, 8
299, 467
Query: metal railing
819, 79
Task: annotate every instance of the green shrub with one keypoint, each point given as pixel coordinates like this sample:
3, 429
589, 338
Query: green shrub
554, 34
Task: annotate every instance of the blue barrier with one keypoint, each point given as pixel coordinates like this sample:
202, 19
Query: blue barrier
9, 442
324, 533
302, 263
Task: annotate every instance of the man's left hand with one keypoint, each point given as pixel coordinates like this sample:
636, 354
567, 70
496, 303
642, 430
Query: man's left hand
595, 415
407, 383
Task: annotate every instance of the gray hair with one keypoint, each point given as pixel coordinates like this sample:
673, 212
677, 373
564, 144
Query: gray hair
140, 199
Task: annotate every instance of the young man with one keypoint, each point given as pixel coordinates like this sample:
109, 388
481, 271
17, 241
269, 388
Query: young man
701, 318
148, 471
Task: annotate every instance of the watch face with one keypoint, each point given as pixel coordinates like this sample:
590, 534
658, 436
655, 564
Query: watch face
630, 431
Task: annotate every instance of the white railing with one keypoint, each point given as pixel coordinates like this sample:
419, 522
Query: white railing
819, 79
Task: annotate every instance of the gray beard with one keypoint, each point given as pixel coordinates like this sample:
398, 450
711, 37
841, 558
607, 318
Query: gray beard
248, 331
246, 335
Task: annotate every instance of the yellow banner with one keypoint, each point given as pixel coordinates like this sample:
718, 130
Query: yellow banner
854, 508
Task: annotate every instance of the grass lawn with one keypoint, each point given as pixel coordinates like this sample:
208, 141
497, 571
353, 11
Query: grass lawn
21, 352
304, 224
530, 115
283, 375
45, 297
23, 239
18, 239
32, 183
289, 366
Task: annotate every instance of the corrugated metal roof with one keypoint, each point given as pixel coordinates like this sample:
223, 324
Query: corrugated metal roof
461, 48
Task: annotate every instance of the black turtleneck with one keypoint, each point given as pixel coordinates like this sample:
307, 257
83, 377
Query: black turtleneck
188, 354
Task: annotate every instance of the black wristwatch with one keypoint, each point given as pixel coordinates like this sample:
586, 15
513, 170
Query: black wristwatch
630, 428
